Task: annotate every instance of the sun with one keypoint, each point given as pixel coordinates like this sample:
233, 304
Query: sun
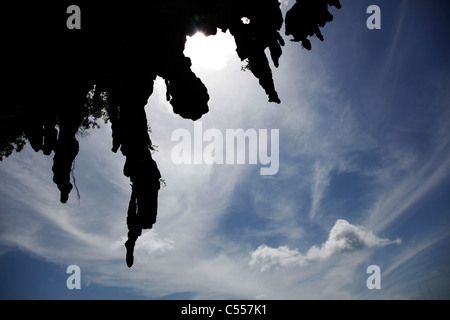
210, 52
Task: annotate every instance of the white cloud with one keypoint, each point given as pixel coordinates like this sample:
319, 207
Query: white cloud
284, 3
149, 242
343, 237
268, 257
321, 181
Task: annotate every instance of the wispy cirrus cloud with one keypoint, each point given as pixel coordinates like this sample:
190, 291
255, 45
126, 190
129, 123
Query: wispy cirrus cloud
417, 180
321, 181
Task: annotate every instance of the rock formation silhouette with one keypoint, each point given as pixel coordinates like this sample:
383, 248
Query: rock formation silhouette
305, 18
56, 81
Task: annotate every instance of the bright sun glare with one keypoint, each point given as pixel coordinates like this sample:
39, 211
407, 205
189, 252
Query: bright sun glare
210, 52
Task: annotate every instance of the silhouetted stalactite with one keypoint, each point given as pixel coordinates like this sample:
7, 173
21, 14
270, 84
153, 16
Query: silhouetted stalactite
305, 18
49, 70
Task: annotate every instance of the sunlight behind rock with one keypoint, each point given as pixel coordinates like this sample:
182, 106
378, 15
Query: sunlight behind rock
210, 52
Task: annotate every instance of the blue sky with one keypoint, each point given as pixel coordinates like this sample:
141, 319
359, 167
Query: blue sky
363, 180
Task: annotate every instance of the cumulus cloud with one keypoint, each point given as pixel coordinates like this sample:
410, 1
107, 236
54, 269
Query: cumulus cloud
267, 257
343, 237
